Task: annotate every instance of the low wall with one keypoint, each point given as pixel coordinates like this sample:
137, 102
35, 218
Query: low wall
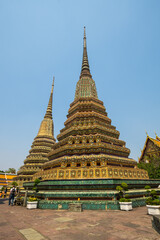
88, 205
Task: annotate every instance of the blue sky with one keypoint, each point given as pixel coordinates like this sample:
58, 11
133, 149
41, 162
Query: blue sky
39, 39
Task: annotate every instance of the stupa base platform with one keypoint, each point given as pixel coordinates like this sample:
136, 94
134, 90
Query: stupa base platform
92, 194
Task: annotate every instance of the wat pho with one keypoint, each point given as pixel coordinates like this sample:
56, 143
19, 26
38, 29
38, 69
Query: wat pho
88, 160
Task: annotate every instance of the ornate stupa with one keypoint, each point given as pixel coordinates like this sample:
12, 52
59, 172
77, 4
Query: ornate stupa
41, 146
88, 146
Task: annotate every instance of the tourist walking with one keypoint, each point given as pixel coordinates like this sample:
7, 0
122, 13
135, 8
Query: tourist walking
12, 195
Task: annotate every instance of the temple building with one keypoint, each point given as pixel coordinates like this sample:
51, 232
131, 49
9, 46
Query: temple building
151, 149
41, 146
6, 179
88, 146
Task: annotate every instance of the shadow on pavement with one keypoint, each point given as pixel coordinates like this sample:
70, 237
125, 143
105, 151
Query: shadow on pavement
3, 200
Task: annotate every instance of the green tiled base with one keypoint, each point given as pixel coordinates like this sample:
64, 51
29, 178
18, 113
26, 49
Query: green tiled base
87, 195
93, 194
94, 184
88, 205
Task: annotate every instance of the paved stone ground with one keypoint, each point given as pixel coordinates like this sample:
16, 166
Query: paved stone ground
18, 223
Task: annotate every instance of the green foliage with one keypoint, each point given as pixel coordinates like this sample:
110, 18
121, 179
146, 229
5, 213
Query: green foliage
153, 194
124, 200
1, 171
36, 182
156, 202
119, 188
147, 187
32, 199
19, 198
153, 199
14, 184
11, 170
149, 201
152, 167
124, 186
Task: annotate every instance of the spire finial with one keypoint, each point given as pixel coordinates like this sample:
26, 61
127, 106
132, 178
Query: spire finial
146, 133
52, 85
84, 38
49, 108
85, 65
157, 138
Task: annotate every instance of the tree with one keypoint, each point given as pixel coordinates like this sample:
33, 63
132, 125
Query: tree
122, 189
14, 184
36, 182
11, 170
1, 171
152, 167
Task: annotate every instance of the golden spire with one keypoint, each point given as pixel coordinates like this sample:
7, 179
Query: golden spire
157, 138
85, 86
85, 65
146, 133
49, 108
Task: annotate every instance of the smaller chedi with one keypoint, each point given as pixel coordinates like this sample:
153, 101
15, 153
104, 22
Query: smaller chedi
151, 149
41, 146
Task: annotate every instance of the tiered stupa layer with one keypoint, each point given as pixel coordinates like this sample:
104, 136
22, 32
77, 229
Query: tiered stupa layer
41, 146
88, 146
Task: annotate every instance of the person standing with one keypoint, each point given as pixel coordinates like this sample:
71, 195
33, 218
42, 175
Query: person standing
12, 195
5, 192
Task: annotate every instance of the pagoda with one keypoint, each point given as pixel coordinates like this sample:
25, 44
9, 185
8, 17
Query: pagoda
41, 146
88, 146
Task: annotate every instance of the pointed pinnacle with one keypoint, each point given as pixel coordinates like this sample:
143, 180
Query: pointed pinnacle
52, 85
49, 108
146, 133
157, 138
84, 38
85, 71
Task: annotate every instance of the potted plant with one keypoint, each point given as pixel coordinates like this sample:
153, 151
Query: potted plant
124, 202
19, 200
147, 188
32, 203
153, 203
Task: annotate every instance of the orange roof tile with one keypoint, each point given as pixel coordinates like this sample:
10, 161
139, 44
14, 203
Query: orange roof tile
155, 141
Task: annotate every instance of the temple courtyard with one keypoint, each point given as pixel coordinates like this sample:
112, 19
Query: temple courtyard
18, 223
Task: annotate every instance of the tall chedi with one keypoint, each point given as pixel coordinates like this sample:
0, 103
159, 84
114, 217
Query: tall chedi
41, 146
88, 146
